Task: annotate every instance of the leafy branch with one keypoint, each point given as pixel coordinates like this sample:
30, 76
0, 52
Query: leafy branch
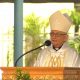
20, 75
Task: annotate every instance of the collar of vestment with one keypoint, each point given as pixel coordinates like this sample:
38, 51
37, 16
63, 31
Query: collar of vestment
63, 47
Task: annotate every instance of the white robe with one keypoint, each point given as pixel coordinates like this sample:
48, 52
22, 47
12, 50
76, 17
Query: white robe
64, 57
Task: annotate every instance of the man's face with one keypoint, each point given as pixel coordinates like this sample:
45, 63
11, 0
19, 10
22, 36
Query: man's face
58, 38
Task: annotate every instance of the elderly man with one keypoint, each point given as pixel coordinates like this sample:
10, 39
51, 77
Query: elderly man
59, 54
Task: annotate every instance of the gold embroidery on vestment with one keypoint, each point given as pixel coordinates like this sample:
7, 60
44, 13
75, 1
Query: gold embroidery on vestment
57, 61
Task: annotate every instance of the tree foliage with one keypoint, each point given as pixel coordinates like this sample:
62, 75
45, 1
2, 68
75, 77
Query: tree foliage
35, 35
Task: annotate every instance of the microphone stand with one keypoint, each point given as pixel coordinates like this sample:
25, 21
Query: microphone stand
27, 53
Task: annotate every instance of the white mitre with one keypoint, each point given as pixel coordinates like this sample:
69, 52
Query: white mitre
59, 21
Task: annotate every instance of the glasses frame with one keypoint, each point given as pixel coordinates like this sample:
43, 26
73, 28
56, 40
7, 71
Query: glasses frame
57, 34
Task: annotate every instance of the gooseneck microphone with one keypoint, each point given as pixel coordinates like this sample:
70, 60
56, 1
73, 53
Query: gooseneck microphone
46, 43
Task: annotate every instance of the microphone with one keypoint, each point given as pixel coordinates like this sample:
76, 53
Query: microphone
46, 43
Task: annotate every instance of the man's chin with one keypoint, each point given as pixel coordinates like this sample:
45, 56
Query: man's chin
55, 45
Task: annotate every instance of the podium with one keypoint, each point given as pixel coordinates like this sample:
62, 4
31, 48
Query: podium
43, 73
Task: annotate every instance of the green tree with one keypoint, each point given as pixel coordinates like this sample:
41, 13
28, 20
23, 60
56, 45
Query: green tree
74, 43
75, 16
35, 35
21, 75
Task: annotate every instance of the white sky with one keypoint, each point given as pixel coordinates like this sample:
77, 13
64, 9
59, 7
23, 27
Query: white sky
46, 9
7, 11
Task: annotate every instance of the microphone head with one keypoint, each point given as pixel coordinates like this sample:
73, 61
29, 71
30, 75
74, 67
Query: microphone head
47, 43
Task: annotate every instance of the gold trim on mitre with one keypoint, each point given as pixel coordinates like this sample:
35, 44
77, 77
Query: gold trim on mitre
59, 21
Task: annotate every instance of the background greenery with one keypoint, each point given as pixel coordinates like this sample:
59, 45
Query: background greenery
35, 35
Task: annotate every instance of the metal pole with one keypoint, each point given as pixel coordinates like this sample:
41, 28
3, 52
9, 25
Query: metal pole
18, 31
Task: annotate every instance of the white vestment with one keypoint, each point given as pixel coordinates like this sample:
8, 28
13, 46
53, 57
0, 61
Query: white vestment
64, 57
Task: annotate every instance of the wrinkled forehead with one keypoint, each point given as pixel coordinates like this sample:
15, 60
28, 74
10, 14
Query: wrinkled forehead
57, 31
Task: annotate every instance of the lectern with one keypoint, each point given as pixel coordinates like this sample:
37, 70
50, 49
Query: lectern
43, 73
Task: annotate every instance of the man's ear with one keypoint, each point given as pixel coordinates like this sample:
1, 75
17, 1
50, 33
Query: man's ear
66, 38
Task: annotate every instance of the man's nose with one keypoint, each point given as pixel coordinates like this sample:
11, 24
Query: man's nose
54, 35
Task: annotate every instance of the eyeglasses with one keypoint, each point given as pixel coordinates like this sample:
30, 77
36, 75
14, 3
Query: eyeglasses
57, 34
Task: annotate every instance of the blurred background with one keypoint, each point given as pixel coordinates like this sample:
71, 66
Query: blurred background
35, 28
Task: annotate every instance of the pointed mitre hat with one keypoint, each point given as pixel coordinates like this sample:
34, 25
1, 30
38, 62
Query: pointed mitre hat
60, 22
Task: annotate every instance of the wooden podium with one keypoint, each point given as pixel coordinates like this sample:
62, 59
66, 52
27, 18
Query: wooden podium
43, 73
